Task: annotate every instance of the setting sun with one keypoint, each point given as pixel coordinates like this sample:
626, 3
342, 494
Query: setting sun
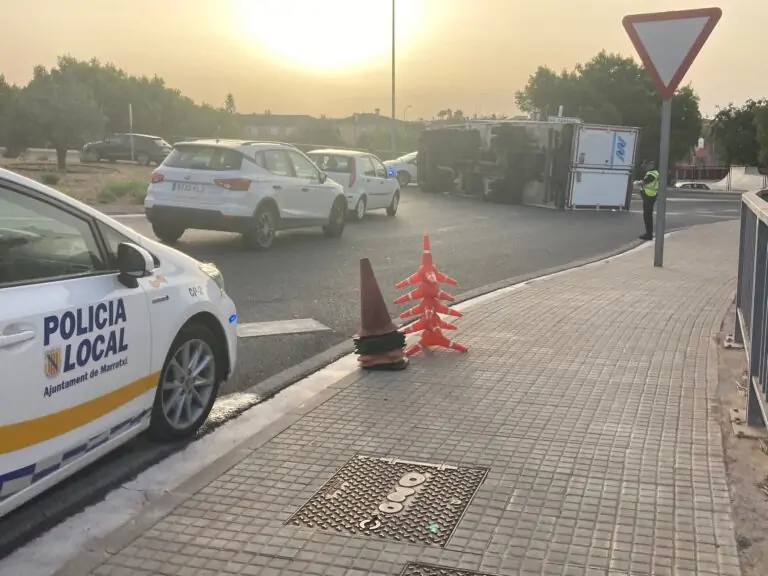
335, 35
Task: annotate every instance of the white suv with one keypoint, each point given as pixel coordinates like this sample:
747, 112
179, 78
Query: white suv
251, 188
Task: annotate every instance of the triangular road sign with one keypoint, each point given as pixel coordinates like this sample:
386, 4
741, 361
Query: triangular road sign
668, 42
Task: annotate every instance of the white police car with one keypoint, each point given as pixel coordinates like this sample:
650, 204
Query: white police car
103, 334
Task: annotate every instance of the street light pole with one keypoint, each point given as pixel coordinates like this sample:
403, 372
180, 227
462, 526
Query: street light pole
394, 118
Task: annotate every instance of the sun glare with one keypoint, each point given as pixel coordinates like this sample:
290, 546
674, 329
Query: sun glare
327, 35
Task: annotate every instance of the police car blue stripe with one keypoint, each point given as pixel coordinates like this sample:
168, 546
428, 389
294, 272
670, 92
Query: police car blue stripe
74, 452
16, 474
39, 470
43, 473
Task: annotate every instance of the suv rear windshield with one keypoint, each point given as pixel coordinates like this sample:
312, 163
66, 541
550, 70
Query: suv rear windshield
194, 157
332, 163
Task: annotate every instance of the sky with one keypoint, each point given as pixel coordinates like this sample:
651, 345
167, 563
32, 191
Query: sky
333, 57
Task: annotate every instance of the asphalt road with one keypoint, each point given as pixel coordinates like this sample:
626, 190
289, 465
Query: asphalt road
308, 276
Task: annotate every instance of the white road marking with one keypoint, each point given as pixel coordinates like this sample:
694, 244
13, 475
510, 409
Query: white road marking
736, 199
699, 213
295, 326
49, 552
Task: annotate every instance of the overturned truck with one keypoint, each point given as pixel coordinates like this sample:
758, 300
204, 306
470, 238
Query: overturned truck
555, 164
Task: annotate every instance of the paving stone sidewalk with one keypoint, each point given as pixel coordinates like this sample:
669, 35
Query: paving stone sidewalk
578, 437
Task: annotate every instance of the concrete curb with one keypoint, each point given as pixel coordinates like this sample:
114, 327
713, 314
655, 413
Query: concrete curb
95, 482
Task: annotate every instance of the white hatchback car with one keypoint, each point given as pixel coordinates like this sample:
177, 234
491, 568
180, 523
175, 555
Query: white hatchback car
367, 183
103, 334
252, 188
405, 168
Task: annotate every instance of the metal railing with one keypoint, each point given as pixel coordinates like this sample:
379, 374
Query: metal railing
751, 328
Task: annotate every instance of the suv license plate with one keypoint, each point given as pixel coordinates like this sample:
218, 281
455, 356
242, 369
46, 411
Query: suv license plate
183, 187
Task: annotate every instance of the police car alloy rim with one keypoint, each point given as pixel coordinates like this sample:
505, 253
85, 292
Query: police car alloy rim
188, 383
361, 208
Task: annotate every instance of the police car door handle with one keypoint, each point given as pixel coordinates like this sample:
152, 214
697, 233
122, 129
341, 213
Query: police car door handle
13, 339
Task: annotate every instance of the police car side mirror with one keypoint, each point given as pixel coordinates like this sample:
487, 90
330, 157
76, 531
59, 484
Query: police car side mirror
323, 177
133, 262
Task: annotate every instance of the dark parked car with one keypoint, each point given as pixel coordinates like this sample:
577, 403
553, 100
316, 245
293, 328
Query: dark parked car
146, 149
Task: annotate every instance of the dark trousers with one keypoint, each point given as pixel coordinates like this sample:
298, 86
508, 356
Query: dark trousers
648, 204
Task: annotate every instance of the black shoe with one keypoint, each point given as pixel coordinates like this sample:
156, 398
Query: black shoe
646, 237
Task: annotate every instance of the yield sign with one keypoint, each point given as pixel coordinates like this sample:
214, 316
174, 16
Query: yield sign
668, 42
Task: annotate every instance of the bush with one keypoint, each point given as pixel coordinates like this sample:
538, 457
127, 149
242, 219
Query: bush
42, 158
130, 191
50, 179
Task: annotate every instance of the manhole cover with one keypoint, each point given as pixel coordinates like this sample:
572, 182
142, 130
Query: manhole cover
417, 569
393, 500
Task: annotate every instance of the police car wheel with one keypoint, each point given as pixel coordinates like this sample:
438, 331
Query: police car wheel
188, 384
168, 233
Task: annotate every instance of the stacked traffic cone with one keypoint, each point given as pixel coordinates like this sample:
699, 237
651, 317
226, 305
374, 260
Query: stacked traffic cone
428, 278
378, 342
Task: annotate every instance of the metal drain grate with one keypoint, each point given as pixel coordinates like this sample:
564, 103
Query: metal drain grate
393, 499
418, 569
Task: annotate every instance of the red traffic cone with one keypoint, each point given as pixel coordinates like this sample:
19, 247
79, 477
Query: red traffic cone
434, 339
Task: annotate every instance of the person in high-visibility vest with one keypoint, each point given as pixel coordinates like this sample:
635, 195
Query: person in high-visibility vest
649, 191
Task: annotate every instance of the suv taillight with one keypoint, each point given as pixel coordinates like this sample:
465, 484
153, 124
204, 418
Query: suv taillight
352, 171
156, 177
237, 184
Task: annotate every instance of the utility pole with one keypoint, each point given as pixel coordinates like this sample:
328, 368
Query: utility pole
394, 115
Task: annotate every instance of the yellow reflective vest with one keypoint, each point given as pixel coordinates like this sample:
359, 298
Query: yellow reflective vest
652, 188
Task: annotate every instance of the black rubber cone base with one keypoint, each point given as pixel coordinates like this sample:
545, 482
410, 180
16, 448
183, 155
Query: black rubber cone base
373, 345
401, 364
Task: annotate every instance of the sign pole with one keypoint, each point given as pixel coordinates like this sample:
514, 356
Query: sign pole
668, 43
661, 206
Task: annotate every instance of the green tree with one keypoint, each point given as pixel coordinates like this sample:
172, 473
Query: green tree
63, 110
612, 89
229, 104
761, 125
90, 86
735, 129
157, 109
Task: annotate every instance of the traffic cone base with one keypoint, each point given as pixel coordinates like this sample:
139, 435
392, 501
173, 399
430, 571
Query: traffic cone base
392, 361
